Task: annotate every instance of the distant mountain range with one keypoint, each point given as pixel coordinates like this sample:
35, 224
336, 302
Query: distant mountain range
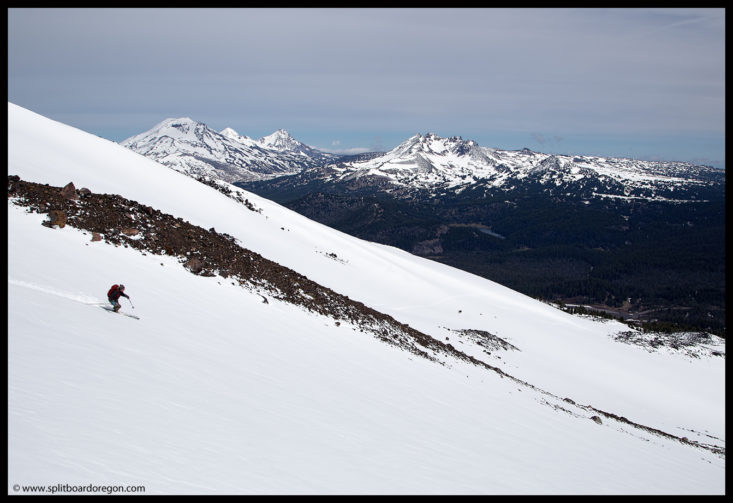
195, 149
429, 165
613, 233
421, 163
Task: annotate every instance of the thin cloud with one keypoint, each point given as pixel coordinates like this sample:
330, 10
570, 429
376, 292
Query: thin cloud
558, 73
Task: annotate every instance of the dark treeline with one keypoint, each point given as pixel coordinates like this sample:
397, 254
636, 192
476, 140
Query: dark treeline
660, 257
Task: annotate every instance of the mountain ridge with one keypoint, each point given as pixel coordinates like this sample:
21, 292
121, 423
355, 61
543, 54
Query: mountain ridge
423, 162
193, 148
429, 162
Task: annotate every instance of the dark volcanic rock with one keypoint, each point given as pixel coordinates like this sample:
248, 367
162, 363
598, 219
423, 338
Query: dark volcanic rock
195, 265
69, 191
56, 218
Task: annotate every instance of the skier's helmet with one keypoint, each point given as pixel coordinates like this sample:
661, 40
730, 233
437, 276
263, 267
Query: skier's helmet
122, 287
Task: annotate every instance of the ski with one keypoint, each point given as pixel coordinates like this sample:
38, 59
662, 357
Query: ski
109, 309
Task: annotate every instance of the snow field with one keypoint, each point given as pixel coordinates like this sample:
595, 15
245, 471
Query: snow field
213, 391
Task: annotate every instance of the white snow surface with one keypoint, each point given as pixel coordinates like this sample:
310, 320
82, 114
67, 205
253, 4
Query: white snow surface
213, 391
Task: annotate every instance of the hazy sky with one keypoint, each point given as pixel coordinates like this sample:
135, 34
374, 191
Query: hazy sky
641, 83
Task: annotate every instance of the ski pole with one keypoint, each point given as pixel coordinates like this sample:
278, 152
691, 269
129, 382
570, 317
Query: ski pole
133, 306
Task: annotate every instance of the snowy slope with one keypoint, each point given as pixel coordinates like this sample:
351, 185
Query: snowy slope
215, 391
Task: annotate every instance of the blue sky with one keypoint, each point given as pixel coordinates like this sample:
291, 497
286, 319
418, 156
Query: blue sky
641, 83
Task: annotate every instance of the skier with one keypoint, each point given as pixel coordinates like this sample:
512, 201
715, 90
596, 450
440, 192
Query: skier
114, 294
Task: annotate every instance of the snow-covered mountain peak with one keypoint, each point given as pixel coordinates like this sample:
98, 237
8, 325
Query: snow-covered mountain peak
424, 161
193, 148
177, 122
233, 135
280, 140
177, 127
430, 143
172, 135
229, 133
434, 163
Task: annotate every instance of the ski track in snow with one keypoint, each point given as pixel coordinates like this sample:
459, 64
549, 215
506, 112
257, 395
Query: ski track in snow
82, 299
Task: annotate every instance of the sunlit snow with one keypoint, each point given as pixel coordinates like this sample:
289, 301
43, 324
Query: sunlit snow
213, 391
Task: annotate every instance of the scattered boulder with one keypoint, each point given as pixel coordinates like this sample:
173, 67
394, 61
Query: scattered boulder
130, 231
194, 265
96, 236
57, 217
69, 191
597, 419
84, 193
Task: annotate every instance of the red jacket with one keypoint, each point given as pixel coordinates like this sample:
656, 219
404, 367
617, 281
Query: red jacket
115, 294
